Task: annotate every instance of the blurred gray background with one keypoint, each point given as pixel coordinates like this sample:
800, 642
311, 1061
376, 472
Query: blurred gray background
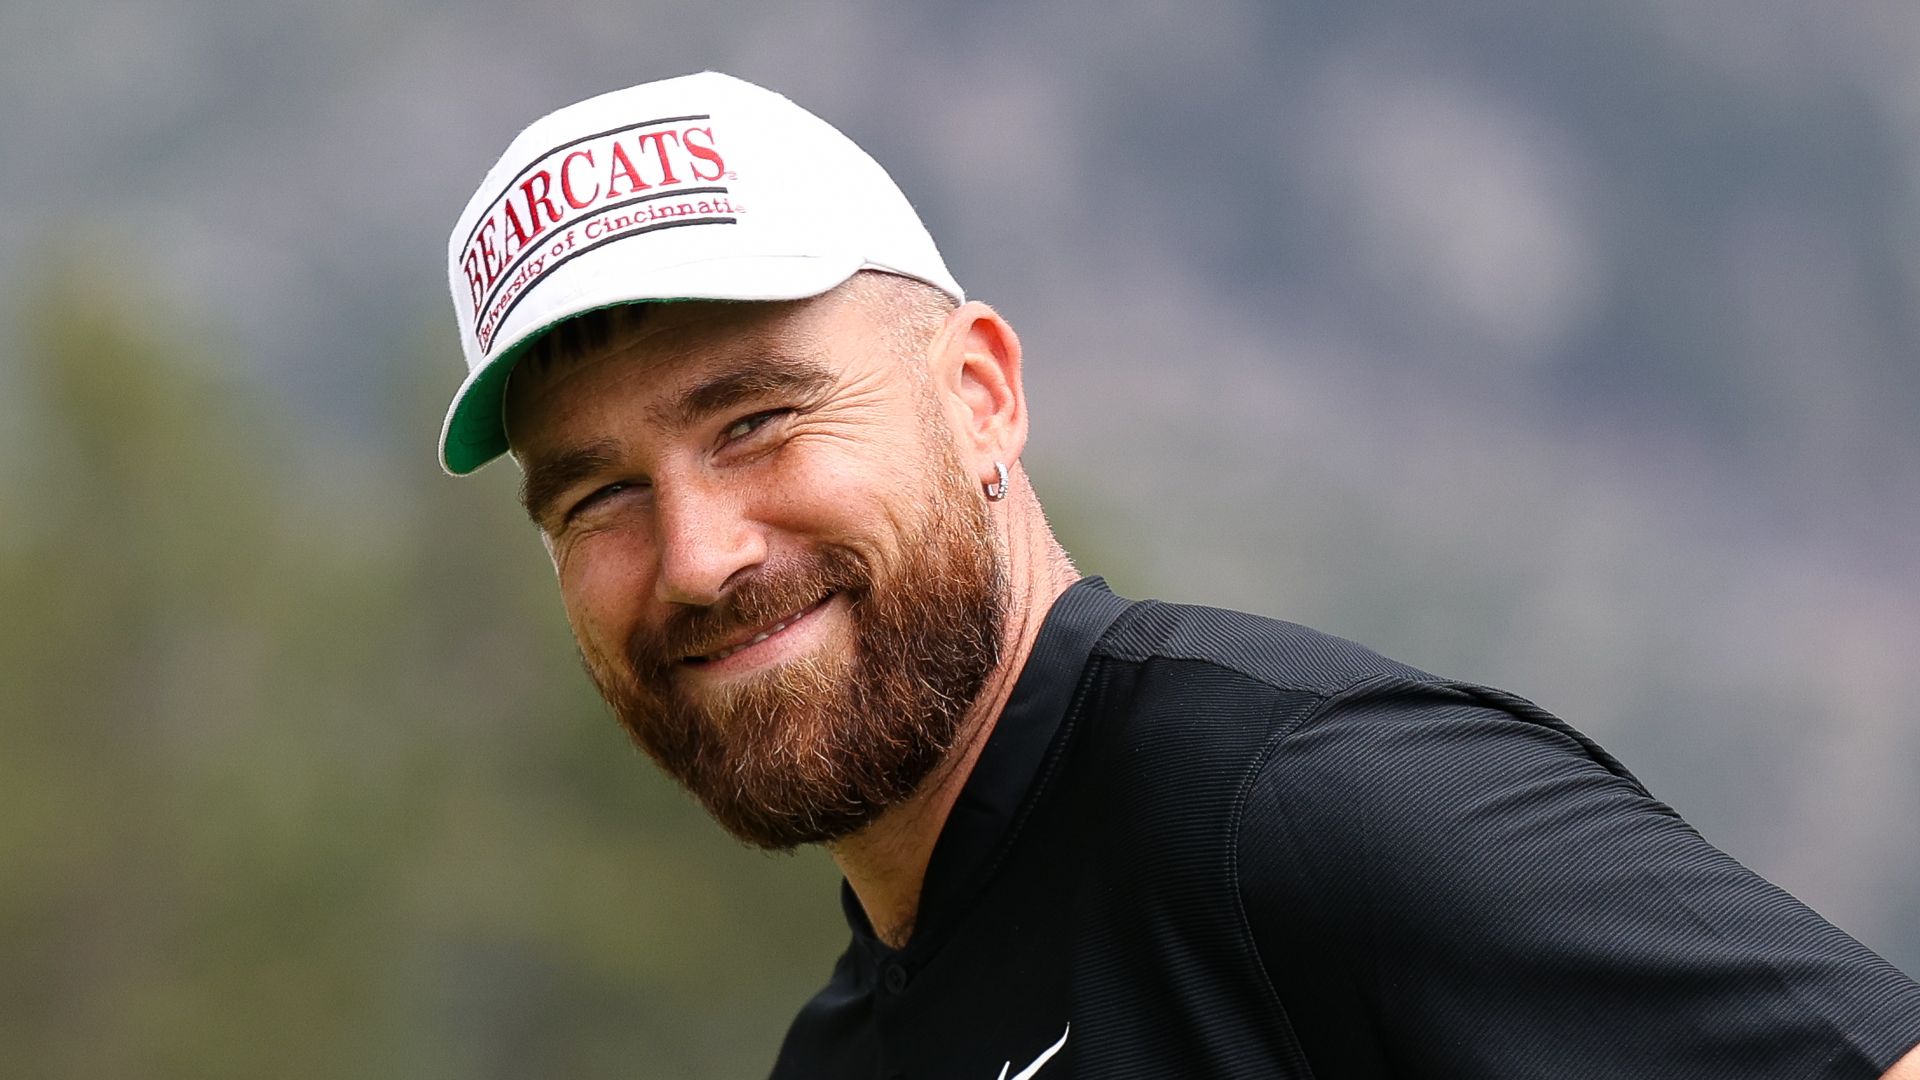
1572, 351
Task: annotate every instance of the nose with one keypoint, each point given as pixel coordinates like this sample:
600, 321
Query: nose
706, 542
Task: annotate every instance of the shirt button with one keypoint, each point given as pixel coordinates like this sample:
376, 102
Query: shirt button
895, 978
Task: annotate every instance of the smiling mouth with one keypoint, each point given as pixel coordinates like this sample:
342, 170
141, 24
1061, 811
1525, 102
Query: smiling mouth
757, 636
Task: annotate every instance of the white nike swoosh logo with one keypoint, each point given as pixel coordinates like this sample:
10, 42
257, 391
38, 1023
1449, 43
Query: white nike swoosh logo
1027, 1073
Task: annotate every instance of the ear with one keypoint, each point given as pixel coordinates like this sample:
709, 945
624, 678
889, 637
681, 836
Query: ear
975, 364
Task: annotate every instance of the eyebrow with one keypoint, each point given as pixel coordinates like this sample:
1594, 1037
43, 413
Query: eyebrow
764, 375
546, 479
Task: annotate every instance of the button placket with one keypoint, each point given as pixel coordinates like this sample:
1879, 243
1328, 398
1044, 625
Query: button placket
894, 977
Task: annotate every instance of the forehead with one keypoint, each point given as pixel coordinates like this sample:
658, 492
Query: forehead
673, 347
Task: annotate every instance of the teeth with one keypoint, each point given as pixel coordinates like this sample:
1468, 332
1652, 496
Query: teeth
757, 639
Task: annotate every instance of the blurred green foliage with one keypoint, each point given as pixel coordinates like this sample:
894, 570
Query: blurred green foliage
298, 773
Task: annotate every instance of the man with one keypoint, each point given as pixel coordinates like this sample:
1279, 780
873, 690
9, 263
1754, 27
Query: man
774, 454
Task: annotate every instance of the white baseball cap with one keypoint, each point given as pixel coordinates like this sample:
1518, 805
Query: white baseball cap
700, 187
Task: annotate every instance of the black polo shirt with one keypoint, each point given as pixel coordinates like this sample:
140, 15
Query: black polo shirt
1201, 843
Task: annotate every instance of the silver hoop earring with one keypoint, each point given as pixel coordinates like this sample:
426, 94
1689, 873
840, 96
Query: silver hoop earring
998, 489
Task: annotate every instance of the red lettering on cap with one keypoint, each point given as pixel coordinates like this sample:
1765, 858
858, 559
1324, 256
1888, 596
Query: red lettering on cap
490, 260
659, 141
544, 199
547, 194
704, 153
566, 180
623, 166
520, 233
475, 283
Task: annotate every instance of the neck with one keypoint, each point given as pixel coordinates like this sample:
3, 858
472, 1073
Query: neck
886, 862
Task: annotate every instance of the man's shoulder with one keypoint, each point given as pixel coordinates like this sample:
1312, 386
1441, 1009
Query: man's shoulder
1206, 694
1248, 680
1273, 653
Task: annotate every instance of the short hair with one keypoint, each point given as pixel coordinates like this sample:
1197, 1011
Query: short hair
910, 310
582, 336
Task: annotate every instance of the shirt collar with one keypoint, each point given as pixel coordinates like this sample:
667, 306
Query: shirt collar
983, 819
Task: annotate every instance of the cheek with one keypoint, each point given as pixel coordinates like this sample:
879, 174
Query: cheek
858, 498
604, 585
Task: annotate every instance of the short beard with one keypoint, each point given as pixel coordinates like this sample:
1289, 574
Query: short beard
818, 748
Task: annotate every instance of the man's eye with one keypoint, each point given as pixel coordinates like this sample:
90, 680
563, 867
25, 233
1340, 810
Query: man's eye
747, 425
596, 497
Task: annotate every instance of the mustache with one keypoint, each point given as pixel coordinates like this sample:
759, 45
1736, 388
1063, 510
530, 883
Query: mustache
775, 591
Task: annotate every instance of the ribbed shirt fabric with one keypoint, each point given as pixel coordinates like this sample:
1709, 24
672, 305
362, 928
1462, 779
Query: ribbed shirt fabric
1201, 843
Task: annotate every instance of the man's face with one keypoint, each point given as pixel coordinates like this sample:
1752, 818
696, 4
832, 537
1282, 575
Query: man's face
779, 573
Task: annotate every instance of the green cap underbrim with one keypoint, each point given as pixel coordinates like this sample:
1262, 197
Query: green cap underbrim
476, 431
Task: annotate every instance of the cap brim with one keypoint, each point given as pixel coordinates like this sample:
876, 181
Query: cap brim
475, 431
